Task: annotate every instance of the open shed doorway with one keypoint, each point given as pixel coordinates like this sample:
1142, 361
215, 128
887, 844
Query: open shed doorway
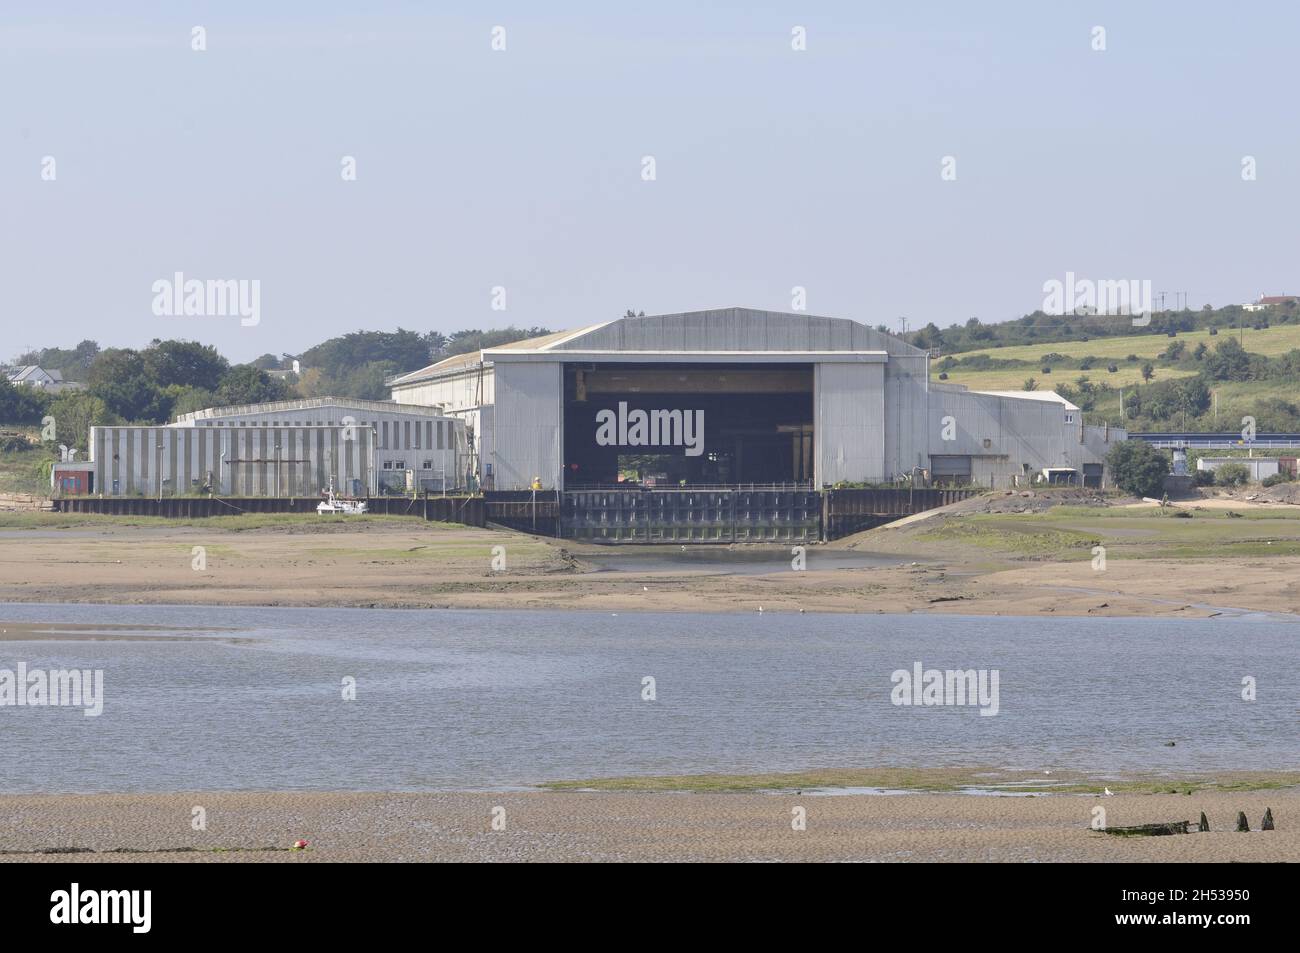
688, 424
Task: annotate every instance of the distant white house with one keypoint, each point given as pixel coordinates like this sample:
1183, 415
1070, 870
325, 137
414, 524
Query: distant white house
33, 375
1264, 302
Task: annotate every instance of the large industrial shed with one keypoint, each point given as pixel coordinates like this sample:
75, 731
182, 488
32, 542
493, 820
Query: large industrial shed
782, 399
284, 449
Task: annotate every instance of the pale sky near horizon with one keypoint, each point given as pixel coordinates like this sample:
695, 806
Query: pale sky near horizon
522, 168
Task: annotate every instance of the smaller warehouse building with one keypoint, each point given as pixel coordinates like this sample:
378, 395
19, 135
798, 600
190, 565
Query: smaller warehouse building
72, 478
288, 448
1012, 438
283, 461
1259, 467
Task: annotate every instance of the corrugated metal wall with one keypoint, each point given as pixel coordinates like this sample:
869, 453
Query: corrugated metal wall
528, 436
252, 461
468, 397
849, 433
1004, 435
455, 393
906, 414
396, 430
1097, 442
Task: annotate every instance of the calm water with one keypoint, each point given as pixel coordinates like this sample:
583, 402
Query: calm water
741, 561
474, 700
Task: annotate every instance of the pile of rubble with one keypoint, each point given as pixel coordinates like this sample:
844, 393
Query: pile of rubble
1036, 501
1281, 493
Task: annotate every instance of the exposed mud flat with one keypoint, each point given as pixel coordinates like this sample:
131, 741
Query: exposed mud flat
909, 567
586, 827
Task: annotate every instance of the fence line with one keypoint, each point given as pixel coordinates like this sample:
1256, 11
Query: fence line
623, 515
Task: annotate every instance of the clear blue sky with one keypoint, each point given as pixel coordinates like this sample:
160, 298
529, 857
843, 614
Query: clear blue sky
522, 168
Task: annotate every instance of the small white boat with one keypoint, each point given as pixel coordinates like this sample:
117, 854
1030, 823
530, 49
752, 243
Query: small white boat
338, 504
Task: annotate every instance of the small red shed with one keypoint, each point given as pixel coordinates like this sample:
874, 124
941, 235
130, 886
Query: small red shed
72, 479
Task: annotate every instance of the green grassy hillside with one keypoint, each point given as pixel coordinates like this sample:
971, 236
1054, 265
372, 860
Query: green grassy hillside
1014, 378
1193, 383
1270, 341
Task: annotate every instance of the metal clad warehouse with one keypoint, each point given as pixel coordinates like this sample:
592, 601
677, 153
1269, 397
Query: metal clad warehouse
272, 461
284, 449
737, 396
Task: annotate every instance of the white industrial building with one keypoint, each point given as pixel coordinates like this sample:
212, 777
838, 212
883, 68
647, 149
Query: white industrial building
284, 449
740, 396
1259, 468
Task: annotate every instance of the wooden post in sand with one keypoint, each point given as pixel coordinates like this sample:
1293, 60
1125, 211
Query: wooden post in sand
1243, 825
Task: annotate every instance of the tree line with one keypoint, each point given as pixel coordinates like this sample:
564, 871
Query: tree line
153, 385
1042, 328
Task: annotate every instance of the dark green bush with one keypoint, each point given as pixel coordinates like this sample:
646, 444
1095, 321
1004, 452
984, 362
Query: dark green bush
1232, 474
1138, 468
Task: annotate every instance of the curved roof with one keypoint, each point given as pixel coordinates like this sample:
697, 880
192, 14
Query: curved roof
470, 358
733, 330
736, 329
303, 404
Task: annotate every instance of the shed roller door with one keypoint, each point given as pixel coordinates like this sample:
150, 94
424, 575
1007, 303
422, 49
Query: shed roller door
950, 466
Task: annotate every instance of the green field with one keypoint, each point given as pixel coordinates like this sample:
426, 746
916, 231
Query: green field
1069, 533
1271, 341
1238, 398
1234, 400
1014, 378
